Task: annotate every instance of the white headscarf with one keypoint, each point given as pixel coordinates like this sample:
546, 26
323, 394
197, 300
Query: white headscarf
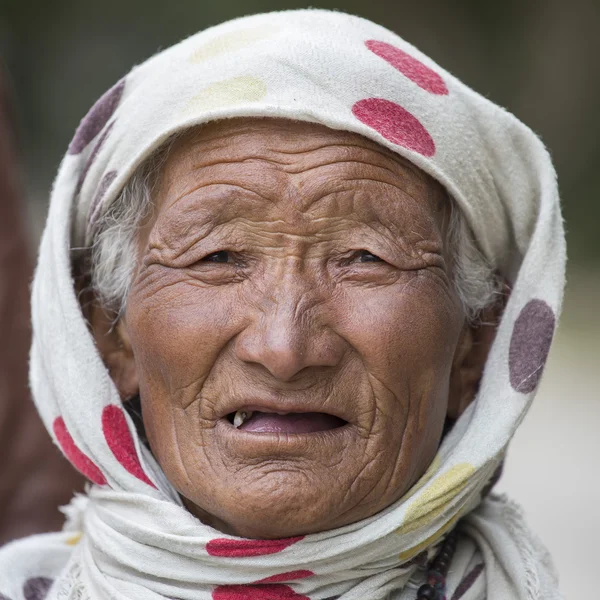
130, 537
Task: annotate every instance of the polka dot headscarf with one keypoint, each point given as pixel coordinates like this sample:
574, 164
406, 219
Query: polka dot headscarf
130, 538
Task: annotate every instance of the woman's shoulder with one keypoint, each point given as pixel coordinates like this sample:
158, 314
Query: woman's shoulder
29, 566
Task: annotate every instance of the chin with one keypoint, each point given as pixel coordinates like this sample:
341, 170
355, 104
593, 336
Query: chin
275, 502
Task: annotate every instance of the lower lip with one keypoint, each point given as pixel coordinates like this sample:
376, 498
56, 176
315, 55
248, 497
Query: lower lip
238, 444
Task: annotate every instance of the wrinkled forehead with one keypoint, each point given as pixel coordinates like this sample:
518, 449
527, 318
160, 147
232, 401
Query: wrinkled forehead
283, 132
294, 164
258, 137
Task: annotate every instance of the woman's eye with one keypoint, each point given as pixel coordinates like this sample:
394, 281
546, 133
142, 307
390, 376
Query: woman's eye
217, 257
366, 256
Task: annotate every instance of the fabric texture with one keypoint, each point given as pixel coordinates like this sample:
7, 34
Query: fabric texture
130, 536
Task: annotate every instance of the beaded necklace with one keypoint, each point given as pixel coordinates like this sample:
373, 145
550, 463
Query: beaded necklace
434, 587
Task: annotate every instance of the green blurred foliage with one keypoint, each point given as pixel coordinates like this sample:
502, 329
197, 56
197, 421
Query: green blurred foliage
538, 58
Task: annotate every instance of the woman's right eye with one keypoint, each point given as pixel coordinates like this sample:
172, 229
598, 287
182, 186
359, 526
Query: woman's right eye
217, 257
366, 256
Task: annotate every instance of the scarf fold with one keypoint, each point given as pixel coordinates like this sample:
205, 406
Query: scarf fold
131, 538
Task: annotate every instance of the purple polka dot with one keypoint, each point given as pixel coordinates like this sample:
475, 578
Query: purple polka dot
529, 345
97, 118
3, 597
409, 66
97, 201
36, 588
395, 124
92, 157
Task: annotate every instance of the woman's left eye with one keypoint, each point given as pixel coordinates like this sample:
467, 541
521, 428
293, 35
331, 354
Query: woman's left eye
366, 256
217, 257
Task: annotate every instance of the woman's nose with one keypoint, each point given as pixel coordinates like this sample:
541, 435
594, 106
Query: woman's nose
289, 334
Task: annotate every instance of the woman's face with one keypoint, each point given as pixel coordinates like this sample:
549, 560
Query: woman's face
299, 274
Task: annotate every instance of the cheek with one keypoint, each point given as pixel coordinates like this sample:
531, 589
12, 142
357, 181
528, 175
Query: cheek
406, 337
177, 331
406, 334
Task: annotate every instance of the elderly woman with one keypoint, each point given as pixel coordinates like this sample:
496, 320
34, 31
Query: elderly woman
295, 294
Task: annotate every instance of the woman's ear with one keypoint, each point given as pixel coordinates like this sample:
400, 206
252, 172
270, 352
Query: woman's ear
470, 358
114, 345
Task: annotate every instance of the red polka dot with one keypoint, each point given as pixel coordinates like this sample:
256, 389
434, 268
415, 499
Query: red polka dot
289, 576
276, 591
240, 548
395, 124
119, 440
412, 68
74, 454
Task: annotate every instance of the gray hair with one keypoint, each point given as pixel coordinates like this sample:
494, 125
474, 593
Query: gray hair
112, 261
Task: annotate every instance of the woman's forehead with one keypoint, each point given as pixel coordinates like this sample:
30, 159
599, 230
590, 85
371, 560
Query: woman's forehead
278, 160
257, 136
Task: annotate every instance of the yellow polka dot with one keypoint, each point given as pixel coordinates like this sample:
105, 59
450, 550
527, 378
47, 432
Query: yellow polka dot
228, 93
436, 497
231, 41
412, 552
74, 539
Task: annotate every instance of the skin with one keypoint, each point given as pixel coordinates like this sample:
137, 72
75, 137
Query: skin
290, 266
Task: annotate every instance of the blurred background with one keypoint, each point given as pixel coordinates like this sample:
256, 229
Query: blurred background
540, 59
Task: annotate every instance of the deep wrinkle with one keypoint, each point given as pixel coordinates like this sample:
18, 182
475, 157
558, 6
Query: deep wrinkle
297, 267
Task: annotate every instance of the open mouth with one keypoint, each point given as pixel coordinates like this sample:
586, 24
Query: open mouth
294, 422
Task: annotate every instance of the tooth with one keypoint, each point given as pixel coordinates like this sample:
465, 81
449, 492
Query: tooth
240, 417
